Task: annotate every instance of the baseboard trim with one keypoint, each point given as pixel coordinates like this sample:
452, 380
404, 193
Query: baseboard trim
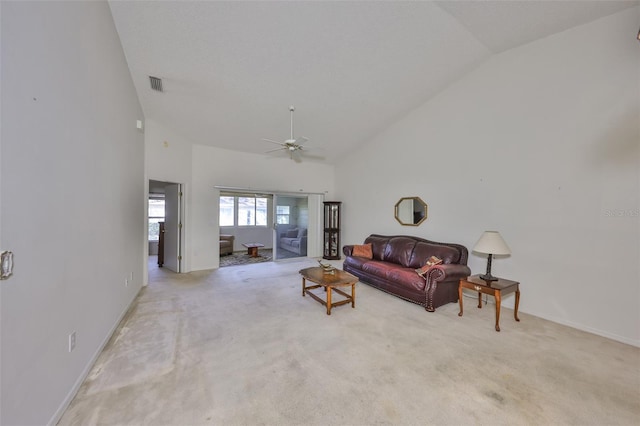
587, 329
76, 386
597, 332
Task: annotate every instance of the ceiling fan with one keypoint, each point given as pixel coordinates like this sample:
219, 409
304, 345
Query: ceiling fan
293, 146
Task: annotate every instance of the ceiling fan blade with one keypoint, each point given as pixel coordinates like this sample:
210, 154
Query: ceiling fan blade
274, 150
269, 140
296, 157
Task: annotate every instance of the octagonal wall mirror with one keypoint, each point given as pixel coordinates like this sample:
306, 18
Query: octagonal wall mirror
411, 211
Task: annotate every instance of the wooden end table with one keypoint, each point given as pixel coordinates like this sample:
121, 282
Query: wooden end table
329, 281
493, 288
253, 248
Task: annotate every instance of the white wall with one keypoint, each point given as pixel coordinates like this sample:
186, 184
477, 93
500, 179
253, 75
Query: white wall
167, 154
168, 159
201, 168
540, 143
72, 199
219, 167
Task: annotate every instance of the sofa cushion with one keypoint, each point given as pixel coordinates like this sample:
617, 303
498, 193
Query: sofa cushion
378, 268
377, 246
424, 251
408, 277
291, 233
363, 250
355, 262
286, 241
399, 250
302, 232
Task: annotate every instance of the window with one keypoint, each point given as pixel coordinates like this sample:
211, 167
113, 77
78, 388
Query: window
227, 211
156, 215
252, 211
249, 211
282, 215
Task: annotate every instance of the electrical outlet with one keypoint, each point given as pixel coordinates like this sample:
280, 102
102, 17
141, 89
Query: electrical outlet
126, 282
72, 341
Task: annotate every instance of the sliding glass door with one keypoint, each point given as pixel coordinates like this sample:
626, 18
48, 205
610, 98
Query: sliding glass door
291, 226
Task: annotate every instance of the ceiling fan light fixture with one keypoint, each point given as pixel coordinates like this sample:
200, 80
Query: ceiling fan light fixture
292, 145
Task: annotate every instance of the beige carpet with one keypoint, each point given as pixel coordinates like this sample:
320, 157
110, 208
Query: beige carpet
243, 258
264, 255
241, 346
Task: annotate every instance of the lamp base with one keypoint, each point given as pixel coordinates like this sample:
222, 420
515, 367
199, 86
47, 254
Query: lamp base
488, 277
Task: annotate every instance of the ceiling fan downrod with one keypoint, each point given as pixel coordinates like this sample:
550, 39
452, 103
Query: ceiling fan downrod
292, 108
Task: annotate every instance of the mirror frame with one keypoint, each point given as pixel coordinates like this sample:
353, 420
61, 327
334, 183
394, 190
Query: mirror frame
414, 199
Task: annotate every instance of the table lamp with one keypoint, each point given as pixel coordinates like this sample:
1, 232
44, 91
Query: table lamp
491, 243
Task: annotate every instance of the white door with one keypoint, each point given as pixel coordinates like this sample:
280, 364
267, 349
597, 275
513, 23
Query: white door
172, 226
316, 222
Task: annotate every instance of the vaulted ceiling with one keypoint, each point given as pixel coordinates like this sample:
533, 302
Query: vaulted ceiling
230, 70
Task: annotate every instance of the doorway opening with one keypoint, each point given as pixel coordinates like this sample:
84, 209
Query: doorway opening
291, 226
260, 227
245, 228
165, 225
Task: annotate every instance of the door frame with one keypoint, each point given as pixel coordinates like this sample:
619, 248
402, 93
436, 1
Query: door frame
181, 233
177, 242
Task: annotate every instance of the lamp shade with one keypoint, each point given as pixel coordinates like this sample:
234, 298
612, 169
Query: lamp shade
491, 242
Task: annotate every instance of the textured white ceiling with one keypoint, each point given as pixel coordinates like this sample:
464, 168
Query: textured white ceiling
502, 25
231, 69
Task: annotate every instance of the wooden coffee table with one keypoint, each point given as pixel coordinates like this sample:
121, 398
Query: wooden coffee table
253, 248
329, 281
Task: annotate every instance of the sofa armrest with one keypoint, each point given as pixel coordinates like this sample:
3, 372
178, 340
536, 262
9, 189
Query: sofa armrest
442, 273
347, 250
450, 272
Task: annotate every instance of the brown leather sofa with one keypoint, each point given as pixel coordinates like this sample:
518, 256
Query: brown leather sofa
226, 244
394, 264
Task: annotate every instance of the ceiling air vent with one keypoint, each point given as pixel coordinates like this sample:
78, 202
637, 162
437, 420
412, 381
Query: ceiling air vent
156, 83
